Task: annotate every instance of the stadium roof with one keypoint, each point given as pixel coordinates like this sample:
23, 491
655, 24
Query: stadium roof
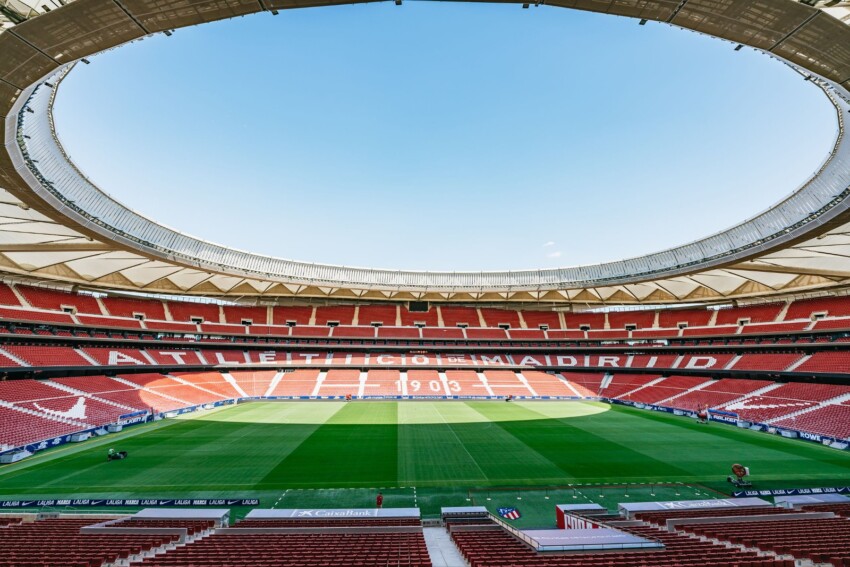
55, 225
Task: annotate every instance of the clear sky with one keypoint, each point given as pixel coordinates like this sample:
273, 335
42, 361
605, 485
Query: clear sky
443, 136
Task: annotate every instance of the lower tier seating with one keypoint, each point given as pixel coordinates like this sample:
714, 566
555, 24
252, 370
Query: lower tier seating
301, 549
488, 547
58, 542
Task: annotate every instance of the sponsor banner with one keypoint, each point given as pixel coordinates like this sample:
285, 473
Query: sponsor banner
630, 508
133, 418
722, 418
181, 357
792, 492
124, 502
270, 513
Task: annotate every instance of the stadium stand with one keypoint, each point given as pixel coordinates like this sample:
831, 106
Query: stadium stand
58, 541
185, 311
454, 316
807, 308
672, 318
428, 318
484, 546
236, 314
296, 315
500, 317
622, 319
127, 307
382, 314
754, 313
536, 319
823, 540
306, 549
43, 298
341, 315
828, 361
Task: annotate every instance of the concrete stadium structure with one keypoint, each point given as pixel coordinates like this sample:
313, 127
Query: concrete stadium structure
56, 225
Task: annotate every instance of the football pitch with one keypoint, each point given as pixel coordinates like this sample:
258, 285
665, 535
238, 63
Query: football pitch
529, 455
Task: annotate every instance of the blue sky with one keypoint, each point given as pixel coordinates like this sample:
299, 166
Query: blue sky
443, 136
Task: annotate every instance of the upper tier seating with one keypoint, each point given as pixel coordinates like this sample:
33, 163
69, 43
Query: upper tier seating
185, 311
454, 316
42, 298
21, 314
642, 319
499, 317
832, 306
755, 313
383, 314
774, 328
340, 314
7, 296
235, 314
101, 321
706, 331
294, 314
670, 318
127, 307
534, 319
171, 327
578, 320
410, 318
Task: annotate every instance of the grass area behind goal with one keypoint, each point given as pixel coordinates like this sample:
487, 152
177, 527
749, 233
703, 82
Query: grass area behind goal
429, 454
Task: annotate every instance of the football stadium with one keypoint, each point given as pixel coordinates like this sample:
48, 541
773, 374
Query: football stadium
169, 401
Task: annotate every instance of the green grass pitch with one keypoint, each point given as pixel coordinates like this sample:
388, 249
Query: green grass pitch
531, 455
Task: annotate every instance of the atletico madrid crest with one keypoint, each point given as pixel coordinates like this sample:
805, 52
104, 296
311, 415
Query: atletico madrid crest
509, 513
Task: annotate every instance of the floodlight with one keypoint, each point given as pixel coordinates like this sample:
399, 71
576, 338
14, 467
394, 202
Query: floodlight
739, 47
642, 22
